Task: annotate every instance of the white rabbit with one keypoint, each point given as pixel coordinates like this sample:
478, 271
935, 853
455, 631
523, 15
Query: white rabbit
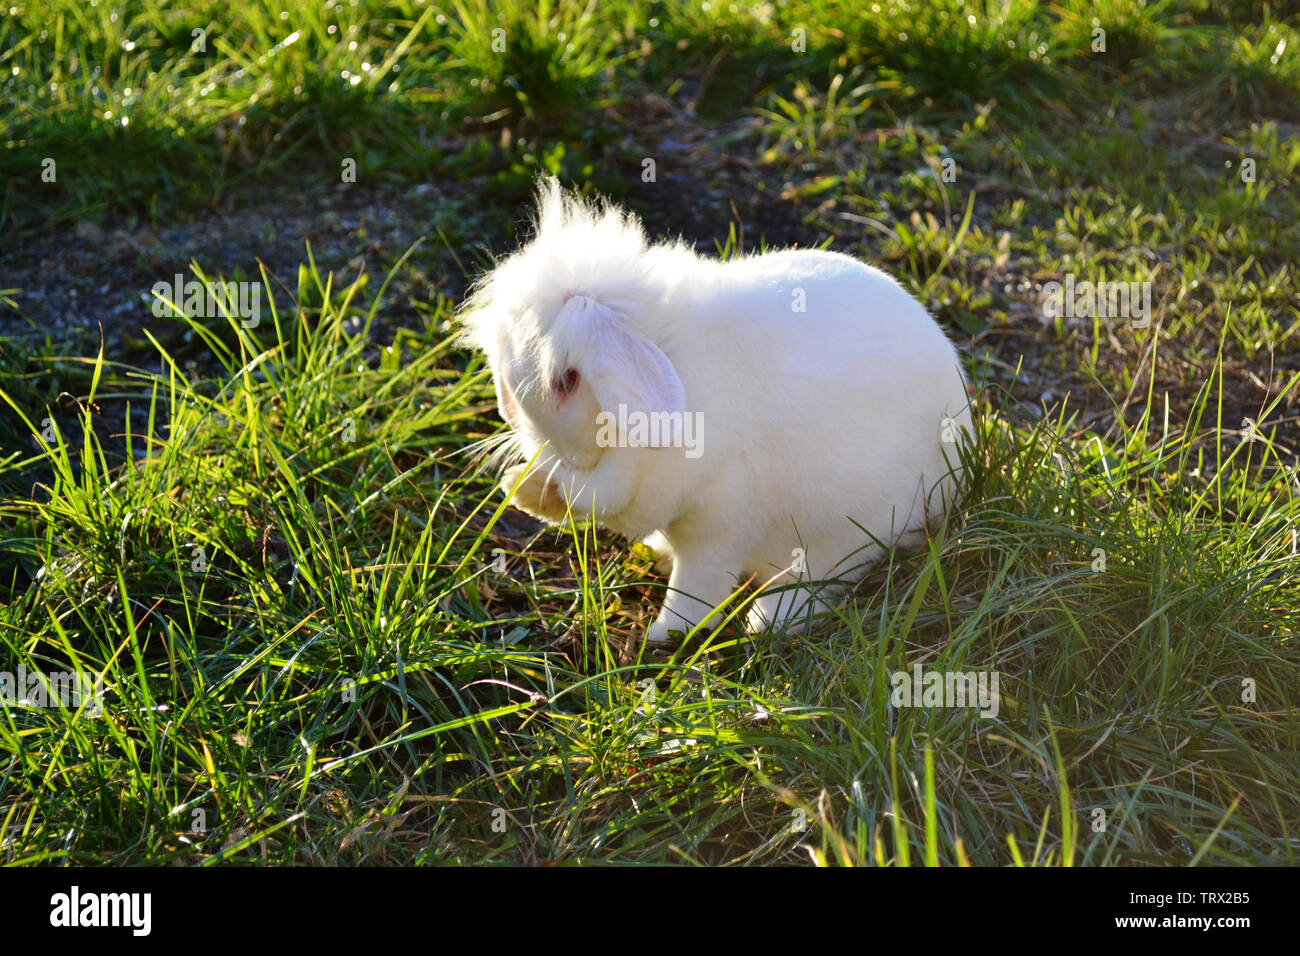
806, 404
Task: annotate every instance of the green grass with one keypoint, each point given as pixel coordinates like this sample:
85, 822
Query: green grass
323, 636
147, 108
338, 652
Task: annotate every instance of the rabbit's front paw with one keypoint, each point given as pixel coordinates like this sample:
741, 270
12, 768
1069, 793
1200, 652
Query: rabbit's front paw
658, 544
658, 634
538, 495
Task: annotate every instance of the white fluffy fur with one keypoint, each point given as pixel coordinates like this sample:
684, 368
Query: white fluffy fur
816, 424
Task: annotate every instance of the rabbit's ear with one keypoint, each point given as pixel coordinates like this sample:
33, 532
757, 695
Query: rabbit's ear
506, 403
622, 366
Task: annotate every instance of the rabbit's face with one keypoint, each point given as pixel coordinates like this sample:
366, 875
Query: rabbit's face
561, 363
546, 397
565, 345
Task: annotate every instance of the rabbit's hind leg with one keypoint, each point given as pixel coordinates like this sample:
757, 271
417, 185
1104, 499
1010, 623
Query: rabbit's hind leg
783, 607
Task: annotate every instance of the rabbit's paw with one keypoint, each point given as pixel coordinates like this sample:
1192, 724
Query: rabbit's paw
537, 495
663, 552
658, 635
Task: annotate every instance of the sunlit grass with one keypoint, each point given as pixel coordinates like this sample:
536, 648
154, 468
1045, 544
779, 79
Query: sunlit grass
320, 643
323, 636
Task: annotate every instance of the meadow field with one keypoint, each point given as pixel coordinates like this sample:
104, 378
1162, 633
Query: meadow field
312, 631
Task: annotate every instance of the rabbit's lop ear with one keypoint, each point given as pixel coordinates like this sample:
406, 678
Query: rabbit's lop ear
623, 367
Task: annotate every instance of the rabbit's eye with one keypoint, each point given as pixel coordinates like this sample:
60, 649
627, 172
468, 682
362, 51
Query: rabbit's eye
567, 382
